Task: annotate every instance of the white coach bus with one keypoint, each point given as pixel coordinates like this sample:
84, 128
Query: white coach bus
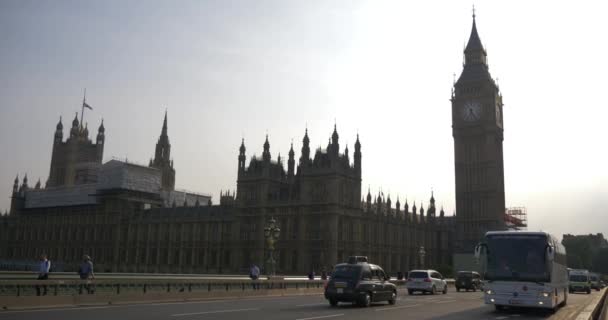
523, 269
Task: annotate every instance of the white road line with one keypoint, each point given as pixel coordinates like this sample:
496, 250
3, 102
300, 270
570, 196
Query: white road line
310, 304
400, 307
211, 312
56, 309
147, 304
445, 301
322, 317
501, 318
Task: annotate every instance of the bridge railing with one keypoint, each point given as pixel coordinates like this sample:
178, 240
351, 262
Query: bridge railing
147, 286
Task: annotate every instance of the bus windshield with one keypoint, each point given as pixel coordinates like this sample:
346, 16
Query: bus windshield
514, 257
578, 278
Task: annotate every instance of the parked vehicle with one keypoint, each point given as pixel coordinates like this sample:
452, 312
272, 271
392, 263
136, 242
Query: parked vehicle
523, 269
579, 281
595, 281
424, 281
360, 282
468, 280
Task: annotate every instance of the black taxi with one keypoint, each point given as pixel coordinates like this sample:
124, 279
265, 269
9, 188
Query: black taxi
360, 282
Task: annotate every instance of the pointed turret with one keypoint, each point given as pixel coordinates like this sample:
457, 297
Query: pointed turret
474, 44
162, 158
421, 212
414, 213
101, 133
164, 130
291, 162
441, 213
24, 186
398, 206
242, 158
266, 154
346, 157
58, 131
357, 156
16, 184
475, 66
335, 146
37, 187
75, 125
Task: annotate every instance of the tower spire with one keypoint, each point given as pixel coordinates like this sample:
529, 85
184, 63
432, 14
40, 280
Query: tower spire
164, 131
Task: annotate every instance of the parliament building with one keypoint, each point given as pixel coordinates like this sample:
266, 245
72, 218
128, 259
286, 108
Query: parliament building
130, 217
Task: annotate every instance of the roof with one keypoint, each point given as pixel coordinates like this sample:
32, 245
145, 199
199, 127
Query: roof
515, 232
474, 43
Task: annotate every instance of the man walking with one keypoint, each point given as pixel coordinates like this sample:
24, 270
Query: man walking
43, 273
254, 274
86, 272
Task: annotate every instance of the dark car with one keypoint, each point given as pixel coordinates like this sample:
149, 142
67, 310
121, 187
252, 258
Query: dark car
468, 280
359, 282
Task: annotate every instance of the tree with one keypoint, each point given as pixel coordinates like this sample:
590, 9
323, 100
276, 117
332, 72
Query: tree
600, 261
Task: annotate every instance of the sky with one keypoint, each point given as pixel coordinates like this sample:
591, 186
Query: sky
227, 70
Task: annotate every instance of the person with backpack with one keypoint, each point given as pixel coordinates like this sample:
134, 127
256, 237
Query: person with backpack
254, 274
85, 271
43, 273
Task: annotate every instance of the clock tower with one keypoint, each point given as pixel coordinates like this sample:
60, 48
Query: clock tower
477, 129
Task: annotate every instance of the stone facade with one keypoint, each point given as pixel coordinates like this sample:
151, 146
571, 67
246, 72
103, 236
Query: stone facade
126, 223
477, 128
316, 201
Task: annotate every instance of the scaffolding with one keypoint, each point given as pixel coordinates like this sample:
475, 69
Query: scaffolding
516, 218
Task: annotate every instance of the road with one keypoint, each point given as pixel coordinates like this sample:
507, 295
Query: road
454, 305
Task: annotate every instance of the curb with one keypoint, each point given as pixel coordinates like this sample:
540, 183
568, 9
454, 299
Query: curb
592, 309
104, 301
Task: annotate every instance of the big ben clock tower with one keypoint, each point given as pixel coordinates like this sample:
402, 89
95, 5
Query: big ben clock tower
477, 129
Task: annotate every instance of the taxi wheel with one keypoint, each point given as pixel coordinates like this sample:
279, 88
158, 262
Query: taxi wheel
393, 298
366, 301
445, 289
333, 302
433, 290
410, 292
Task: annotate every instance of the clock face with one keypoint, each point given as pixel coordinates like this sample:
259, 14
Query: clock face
471, 111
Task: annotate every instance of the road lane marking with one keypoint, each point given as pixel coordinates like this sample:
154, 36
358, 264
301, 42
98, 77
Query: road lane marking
501, 318
322, 317
56, 309
400, 307
446, 301
216, 311
310, 304
152, 304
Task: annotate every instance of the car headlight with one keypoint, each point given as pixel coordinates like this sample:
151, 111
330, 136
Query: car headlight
489, 292
544, 294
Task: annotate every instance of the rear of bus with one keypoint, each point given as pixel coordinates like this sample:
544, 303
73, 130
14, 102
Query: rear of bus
523, 269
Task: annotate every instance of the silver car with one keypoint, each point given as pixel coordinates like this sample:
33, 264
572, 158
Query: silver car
426, 281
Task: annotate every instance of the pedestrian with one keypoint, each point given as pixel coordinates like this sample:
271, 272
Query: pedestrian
311, 274
43, 273
324, 274
254, 274
85, 271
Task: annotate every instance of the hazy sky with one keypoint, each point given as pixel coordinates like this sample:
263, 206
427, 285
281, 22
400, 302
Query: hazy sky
232, 69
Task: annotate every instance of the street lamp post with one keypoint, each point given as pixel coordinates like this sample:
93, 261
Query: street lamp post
422, 253
271, 233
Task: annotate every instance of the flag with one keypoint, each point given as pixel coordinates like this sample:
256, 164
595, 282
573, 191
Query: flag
86, 105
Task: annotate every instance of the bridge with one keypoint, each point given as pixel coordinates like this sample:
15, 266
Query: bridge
184, 297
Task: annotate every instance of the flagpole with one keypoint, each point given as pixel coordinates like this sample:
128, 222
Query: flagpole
84, 99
